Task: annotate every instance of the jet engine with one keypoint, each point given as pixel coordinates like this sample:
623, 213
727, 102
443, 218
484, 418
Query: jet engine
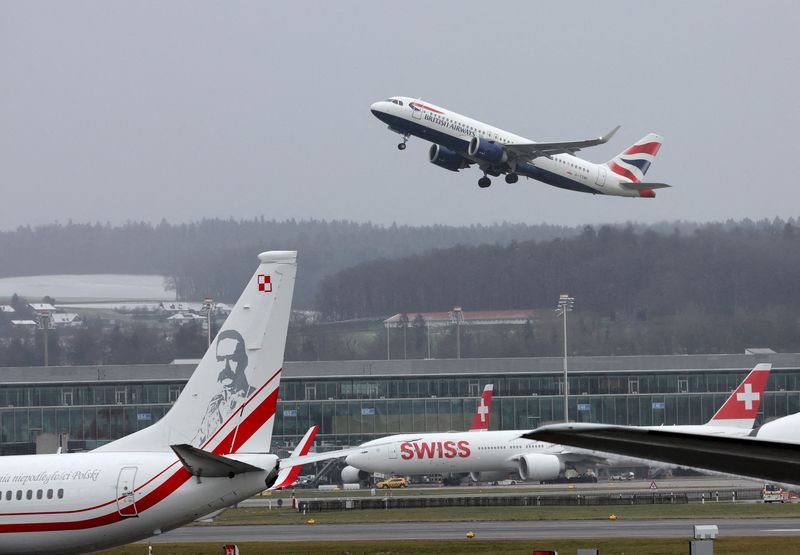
446, 158
493, 476
487, 151
352, 475
539, 467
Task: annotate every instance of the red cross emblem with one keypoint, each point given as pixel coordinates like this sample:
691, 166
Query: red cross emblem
264, 283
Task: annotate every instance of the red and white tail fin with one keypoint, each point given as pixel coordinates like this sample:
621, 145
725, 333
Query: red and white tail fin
634, 162
228, 405
741, 408
288, 474
480, 422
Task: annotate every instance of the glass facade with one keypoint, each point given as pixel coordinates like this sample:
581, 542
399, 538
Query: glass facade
353, 409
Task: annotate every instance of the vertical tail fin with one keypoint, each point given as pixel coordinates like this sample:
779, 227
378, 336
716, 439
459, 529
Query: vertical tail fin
741, 408
288, 473
634, 162
229, 403
480, 422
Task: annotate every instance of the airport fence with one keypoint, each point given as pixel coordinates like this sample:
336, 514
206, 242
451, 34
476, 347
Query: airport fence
405, 502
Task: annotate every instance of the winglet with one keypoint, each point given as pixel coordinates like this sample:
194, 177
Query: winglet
480, 421
741, 408
607, 137
288, 475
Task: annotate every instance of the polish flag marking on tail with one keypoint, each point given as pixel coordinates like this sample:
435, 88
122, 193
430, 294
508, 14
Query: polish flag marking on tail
741, 408
264, 283
480, 422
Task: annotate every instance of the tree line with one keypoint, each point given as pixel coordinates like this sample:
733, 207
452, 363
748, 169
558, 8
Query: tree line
214, 257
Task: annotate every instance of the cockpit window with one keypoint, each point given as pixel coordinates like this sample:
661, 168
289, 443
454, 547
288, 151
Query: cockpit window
400, 102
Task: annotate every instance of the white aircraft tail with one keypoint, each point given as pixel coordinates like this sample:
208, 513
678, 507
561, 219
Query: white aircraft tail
229, 403
635, 160
741, 408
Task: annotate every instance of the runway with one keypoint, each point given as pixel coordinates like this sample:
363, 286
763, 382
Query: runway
663, 528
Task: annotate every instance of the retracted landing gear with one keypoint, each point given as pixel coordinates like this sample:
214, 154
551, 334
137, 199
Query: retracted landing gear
402, 146
512, 177
484, 182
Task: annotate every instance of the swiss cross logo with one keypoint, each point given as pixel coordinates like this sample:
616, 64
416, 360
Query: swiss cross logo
748, 396
264, 283
483, 410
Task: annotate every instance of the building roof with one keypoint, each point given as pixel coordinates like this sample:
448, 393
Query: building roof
64, 318
7, 308
470, 316
23, 322
42, 307
473, 368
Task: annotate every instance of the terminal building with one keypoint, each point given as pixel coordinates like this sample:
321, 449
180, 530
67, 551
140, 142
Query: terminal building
355, 401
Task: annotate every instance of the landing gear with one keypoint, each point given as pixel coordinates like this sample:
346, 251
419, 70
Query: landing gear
402, 146
484, 182
512, 177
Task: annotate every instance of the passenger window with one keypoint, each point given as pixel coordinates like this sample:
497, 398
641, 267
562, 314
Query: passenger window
19, 495
38, 494
49, 494
29, 495
8, 495
60, 493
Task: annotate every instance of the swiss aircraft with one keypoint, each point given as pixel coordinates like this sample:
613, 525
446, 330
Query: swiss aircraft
460, 142
490, 456
771, 452
208, 452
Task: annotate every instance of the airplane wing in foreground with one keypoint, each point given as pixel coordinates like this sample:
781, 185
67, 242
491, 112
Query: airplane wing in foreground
775, 461
529, 151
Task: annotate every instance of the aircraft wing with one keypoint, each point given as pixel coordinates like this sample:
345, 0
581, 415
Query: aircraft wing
529, 151
645, 186
775, 461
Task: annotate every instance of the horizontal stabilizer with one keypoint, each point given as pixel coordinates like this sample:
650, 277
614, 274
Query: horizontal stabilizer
209, 465
645, 186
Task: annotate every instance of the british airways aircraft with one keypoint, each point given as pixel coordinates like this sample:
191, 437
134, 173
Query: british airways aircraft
459, 142
208, 452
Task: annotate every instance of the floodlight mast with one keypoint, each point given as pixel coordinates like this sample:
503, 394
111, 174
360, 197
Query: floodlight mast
565, 304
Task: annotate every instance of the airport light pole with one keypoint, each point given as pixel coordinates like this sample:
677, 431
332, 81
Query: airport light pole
209, 305
44, 322
565, 304
457, 317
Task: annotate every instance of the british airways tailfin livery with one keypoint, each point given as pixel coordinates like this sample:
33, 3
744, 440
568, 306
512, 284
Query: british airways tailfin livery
459, 142
209, 451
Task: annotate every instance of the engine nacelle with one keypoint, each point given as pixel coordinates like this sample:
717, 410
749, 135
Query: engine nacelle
446, 158
493, 476
353, 475
488, 151
539, 467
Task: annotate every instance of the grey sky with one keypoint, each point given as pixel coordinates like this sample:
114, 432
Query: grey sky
117, 111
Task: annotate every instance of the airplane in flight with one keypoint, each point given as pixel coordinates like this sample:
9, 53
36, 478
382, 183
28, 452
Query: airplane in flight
491, 456
771, 452
460, 142
208, 452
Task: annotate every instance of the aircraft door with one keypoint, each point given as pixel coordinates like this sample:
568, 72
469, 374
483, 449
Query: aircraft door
126, 494
601, 176
392, 450
416, 111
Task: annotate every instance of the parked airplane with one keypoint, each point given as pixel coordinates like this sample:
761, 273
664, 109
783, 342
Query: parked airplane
484, 455
208, 452
771, 452
459, 142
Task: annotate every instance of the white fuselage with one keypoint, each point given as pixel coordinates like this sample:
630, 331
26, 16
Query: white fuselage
449, 452
75, 503
454, 131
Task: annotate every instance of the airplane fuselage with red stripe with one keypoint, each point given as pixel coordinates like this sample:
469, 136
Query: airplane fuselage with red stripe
79, 502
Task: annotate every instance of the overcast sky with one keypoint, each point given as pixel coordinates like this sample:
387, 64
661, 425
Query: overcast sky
113, 111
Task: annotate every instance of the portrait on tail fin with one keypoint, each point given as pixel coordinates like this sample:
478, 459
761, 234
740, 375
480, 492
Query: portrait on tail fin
232, 363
